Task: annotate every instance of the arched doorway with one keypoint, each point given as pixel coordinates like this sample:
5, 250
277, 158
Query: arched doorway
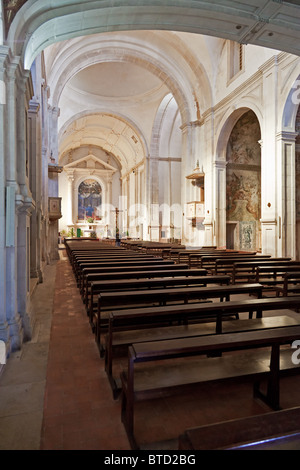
243, 185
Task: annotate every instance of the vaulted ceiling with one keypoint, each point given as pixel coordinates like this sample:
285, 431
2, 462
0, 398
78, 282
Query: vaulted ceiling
268, 23
118, 77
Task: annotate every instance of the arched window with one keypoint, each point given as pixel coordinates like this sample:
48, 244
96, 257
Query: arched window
89, 200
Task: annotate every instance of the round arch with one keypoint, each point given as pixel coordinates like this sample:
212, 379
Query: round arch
135, 141
228, 122
237, 228
175, 66
38, 24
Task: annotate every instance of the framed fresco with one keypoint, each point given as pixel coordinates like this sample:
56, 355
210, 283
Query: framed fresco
248, 235
89, 200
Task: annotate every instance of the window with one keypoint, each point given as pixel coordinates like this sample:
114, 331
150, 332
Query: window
236, 59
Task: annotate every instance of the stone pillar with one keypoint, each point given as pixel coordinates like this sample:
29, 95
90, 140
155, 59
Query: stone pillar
286, 194
148, 178
23, 270
24, 94
191, 138
269, 199
70, 199
219, 217
35, 176
53, 133
4, 329
153, 199
15, 200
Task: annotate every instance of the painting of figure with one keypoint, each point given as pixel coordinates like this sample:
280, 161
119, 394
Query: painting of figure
89, 200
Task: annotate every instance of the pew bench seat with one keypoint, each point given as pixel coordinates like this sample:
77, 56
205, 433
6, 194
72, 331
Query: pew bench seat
162, 368
269, 431
109, 301
291, 284
123, 331
134, 284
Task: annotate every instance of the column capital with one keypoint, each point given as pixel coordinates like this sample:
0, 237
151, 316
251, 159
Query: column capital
287, 136
221, 164
34, 107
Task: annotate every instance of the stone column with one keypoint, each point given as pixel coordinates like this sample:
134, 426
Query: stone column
53, 133
4, 329
23, 270
269, 209
70, 198
191, 137
35, 187
14, 200
219, 217
286, 194
24, 93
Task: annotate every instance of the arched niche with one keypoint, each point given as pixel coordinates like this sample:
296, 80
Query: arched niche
74, 174
243, 184
165, 171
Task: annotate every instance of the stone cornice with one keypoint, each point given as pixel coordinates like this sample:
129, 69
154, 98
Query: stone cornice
287, 136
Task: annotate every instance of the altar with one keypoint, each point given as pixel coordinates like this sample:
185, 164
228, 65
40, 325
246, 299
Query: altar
87, 228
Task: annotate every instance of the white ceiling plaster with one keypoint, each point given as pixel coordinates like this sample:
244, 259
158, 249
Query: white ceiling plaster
107, 132
115, 80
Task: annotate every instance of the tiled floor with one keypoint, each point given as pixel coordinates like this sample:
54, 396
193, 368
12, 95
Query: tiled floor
54, 395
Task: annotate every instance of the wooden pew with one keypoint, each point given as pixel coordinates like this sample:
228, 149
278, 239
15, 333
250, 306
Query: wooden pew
100, 254
129, 327
291, 284
133, 301
96, 287
78, 260
119, 265
272, 276
185, 256
93, 276
226, 265
170, 376
245, 271
208, 261
159, 297
124, 272
276, 430
208, 309
80, 263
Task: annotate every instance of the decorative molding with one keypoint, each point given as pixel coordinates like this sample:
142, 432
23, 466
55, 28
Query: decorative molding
268, 221
54, 168
243, 166
287, 136
90, 161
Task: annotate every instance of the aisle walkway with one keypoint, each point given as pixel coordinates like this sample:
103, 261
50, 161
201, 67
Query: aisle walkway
79, 412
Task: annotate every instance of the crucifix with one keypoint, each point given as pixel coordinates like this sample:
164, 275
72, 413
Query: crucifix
117, 211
